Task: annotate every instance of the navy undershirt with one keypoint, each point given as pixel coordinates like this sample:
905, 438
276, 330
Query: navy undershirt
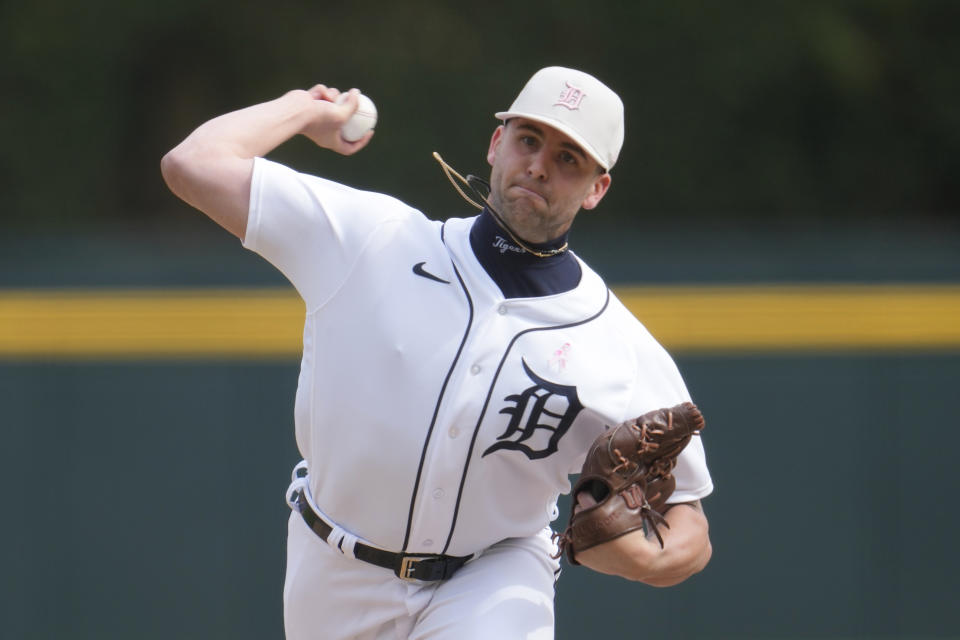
520, 274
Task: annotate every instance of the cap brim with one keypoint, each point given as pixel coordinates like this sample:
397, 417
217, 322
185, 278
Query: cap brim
559, 126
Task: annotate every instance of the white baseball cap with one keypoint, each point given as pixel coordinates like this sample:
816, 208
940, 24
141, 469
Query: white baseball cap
577, 104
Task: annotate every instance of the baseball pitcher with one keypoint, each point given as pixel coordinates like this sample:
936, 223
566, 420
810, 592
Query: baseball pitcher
456, 375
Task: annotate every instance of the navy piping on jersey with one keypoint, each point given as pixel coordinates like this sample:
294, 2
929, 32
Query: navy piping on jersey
517, 273
486, 404
443, 389
558, 281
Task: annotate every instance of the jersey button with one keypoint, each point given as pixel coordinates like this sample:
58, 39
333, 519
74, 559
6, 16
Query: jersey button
428, 542
437, 494
475, 369
502, 310
454, 432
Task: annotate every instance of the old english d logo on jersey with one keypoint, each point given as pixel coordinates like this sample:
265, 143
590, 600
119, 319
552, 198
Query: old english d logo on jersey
539, 416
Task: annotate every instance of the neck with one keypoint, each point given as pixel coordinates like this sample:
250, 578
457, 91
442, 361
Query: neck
505, 241
517, 272
513, 242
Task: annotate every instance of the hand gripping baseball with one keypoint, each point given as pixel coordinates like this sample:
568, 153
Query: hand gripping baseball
628, 472
331, 112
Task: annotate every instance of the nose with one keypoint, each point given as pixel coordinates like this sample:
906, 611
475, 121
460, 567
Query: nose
537, 168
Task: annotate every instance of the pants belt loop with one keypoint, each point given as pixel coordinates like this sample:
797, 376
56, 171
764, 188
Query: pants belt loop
414, 566
342, 540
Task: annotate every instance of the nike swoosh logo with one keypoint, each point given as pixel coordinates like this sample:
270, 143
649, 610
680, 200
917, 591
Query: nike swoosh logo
420, 271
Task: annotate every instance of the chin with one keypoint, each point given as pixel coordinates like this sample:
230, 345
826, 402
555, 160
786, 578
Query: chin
526, 208
521, 219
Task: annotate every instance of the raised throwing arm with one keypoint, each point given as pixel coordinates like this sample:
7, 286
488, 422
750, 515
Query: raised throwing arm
212, 168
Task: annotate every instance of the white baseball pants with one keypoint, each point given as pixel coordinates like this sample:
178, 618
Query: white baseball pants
506, 593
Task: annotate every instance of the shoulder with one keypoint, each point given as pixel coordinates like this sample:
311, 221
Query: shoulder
273, 181
637, 339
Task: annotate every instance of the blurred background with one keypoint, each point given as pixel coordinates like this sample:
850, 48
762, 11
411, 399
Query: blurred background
789, 174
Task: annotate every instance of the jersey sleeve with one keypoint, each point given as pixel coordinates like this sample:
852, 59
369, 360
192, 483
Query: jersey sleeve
659, 384
312, 229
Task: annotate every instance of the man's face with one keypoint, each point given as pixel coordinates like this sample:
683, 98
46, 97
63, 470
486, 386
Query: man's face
541, 179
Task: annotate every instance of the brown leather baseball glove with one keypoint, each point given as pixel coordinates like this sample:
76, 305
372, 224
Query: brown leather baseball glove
628, 472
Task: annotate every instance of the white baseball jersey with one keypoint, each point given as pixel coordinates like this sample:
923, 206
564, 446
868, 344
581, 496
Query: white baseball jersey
437, 416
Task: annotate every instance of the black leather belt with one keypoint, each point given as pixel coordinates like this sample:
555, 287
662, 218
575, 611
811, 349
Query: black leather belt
409, 566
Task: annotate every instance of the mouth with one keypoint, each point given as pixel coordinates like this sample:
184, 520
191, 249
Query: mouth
530, 193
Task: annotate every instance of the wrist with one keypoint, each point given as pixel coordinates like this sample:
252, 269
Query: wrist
297, 107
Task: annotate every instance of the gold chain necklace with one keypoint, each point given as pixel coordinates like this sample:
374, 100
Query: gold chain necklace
469, 180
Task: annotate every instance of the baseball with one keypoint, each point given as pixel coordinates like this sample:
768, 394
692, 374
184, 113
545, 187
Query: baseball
360, 122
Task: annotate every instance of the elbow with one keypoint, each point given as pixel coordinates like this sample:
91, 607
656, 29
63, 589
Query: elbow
705, 558
173, 168
168, 165
669, 569
681, 572
700, 560
185, 169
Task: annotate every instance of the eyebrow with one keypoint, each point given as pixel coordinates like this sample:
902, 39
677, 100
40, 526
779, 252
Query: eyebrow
569, 146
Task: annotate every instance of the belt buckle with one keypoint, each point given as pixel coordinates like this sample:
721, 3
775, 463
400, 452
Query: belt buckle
408, 565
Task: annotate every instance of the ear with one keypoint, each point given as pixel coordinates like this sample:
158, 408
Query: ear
597, 191
494, 141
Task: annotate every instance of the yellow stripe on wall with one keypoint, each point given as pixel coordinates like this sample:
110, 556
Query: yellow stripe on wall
151, 323
867, 317
267, 323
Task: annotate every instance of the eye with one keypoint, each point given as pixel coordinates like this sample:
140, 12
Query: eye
528, 141
568, 158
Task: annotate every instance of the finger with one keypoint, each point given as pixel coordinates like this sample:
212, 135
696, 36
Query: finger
350, 100
323, 92
349, 148
585, 500
317, 91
